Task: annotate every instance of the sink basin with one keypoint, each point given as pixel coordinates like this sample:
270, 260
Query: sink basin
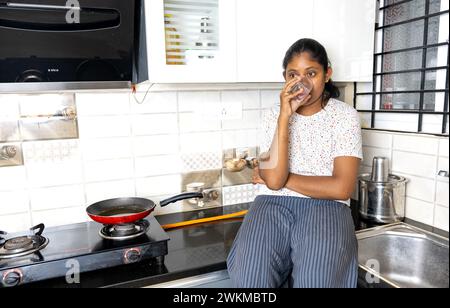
402, 256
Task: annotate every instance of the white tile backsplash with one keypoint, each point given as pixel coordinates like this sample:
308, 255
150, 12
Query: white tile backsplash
60, 217
56, 151
269, 98
419, 188
107, 170
104, 126
443, 147
370, 152
201, 161
420, 211
157, 165
9, 115
56, 197
107, 190
108, 148
15, 223
12, 178
423, 145
14, 202
196, 101
159, 185
249, 99
45, 103
377, 139
155, 124
240, 138
418, 158
10, 106
442, 194
156, 102
9, 130
414, 164
239, 194
132, 148
89, 104
195, 122
201, 142
155, 145
251, 119
53, 174
441, 216
443, 164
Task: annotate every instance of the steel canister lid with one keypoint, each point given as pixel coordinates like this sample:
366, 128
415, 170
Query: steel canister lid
392, 179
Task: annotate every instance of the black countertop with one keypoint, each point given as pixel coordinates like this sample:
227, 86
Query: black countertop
193, 250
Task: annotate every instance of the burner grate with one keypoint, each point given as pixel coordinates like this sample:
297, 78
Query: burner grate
23, 245
124, 231
19, 244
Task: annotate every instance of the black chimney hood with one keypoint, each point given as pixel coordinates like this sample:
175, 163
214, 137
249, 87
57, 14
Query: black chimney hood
67, 44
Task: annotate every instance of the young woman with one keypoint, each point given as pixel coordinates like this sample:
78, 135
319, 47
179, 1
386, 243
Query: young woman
300, 229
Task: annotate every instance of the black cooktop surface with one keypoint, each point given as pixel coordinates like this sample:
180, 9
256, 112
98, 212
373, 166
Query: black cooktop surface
78, 240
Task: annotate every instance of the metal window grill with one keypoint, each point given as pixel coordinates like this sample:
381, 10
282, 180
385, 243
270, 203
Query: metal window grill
411, 67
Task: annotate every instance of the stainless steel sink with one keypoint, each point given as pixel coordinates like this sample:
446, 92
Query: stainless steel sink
403, 256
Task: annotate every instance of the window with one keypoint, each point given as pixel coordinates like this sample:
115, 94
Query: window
410, 88
191, 29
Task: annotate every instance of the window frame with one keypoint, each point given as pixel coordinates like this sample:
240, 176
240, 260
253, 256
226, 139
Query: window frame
377, 82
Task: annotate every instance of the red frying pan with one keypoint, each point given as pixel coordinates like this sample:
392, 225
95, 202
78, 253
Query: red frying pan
128, 210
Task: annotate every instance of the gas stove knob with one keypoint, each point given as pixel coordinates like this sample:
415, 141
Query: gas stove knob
12, 278
132, 255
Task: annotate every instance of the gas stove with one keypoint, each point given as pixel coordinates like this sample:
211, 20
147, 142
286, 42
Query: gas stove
68, 251
23, 245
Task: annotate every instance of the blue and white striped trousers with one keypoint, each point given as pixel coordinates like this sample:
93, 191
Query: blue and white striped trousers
304, 242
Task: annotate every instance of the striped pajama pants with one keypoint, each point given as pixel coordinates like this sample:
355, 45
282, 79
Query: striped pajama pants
300, 242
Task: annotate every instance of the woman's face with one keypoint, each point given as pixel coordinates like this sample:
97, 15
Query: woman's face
303, 66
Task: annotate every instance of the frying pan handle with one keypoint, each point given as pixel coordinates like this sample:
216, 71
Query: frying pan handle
179, 197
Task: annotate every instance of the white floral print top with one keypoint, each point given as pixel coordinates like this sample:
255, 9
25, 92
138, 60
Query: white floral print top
315, 141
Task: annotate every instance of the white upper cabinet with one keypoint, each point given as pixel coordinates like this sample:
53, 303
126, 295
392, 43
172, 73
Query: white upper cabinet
265, 30
211, 41
191, 40
347, 29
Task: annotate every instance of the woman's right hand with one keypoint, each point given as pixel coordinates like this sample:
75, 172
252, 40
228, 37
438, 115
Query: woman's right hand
256, 178
289, 104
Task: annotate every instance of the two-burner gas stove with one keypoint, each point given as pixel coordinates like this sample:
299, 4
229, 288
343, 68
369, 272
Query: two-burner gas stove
73, 249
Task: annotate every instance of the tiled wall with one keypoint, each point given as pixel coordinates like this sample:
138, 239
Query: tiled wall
418, 158
131, 149
127, 148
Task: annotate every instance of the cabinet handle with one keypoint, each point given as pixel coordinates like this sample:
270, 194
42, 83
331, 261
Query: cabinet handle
206, 57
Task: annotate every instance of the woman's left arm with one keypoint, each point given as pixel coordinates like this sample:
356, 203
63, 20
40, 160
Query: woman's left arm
339, 186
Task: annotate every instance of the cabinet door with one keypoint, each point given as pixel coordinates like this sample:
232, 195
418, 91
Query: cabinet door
191, 42
265, 30
347, 28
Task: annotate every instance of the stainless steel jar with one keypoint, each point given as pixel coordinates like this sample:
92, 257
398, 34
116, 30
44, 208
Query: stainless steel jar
384, 201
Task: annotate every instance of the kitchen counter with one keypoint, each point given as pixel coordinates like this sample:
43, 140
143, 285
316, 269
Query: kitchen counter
193, 250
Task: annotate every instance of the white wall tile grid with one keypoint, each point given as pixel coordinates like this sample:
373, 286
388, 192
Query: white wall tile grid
239, 194
201, 161
125, 149
419, 159
113, 130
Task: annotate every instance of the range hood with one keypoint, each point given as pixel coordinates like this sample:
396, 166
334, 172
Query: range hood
52, 45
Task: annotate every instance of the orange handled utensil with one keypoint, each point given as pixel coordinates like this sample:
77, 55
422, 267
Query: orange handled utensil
203, 220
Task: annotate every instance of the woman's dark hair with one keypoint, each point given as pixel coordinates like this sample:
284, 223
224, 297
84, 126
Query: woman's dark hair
318, 53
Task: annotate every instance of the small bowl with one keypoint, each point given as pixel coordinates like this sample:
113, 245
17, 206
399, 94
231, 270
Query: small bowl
235, 164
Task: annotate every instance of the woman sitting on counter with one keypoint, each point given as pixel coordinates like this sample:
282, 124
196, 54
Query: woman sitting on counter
299, 230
